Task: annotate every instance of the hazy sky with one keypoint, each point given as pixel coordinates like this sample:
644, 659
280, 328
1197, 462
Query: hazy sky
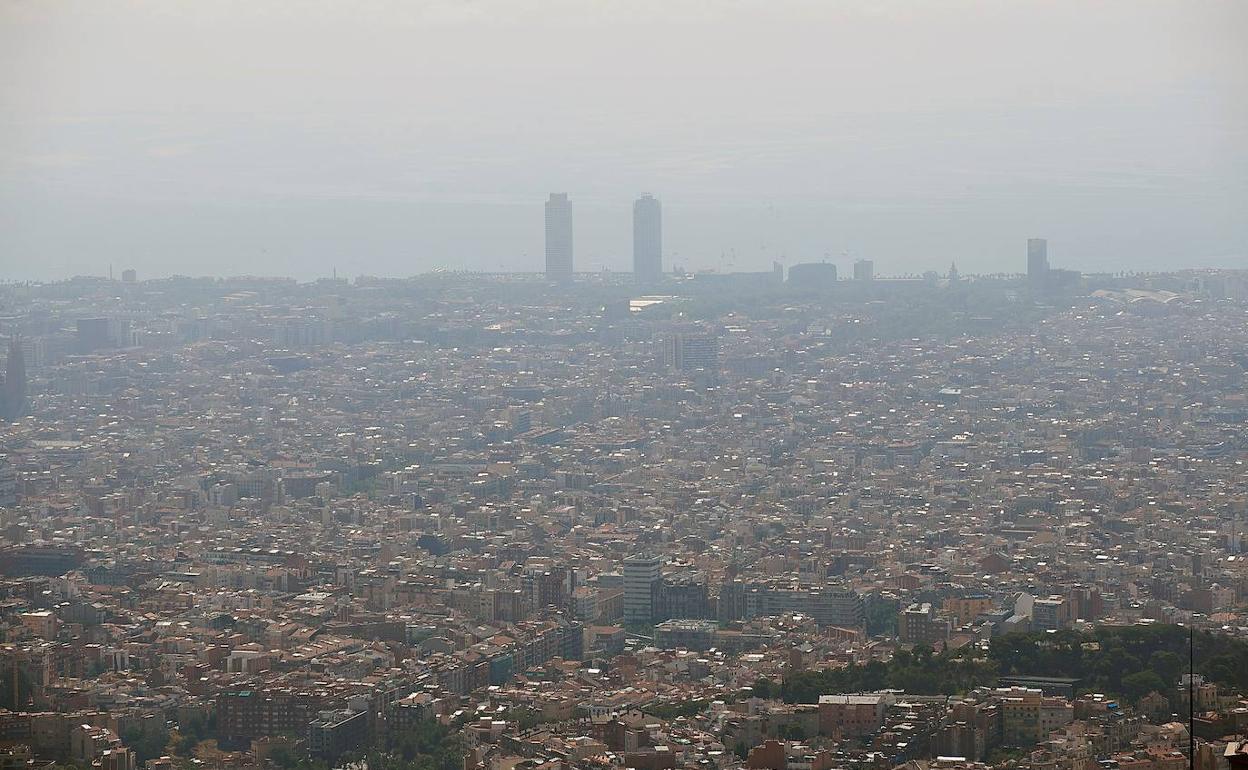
390, 138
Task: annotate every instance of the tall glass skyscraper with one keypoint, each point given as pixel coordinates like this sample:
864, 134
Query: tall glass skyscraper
559, 237
1037, 258
647, 239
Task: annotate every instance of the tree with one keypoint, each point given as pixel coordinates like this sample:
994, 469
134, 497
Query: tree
1168, 666
282, 756
1141, 683
874, 675
673, 710
195, 726
185, 745
792, 732
765, 688
923, 654
881, 616
147, 744
429, 745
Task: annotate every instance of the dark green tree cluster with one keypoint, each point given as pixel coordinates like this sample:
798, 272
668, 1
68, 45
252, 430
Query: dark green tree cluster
286, 758
881, 615
1126, 661
429, 745
921, 671
792, 732
146, 744
190, 734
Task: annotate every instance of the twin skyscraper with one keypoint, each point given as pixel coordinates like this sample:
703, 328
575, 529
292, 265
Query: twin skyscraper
647, 238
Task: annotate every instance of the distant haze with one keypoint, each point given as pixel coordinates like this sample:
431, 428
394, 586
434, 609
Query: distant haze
391, 138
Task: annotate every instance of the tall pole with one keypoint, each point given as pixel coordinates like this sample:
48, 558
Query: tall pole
1191, 697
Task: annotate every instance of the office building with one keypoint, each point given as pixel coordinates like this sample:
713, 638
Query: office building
8, 483
647, 239
827, 605
813, 275
852, 714
682, 596
13, 387
920, 624
1050, 614
334, 732
965, 609
864, 270
1037, 259
642, 577
94, 334
1027, 715
685, 634
559, 237
692, 351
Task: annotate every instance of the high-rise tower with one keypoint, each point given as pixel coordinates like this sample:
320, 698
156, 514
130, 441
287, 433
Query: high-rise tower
1037, 259
13, 392
647, 239
559, 237
642, 575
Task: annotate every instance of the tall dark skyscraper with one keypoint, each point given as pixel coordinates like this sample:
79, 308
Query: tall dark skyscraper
1037, 259
647, 239
559, 237
13, 391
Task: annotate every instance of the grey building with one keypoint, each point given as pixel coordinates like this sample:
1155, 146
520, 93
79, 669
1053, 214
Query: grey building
828, 605
647, 239
813, 275
559, 237
1037, 259
334, 732
686, 352
642, 577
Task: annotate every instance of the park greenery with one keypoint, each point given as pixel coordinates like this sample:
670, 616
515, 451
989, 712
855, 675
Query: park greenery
1121, 661
429, 745
146, 744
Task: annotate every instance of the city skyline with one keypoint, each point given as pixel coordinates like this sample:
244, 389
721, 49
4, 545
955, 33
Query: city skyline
914, 134
647, 264
624, 255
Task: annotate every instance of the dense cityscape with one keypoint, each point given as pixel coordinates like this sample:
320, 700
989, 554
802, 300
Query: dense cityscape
787, 520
